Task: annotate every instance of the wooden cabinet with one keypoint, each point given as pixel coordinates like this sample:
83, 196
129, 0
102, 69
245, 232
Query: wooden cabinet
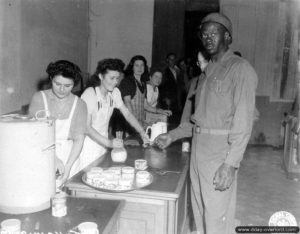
103, 212
156, 209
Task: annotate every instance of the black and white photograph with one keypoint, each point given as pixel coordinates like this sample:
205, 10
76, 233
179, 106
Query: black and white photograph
149, 116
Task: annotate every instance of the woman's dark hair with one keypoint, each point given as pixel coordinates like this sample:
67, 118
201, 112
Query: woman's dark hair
129, 68
155, 69
66, 69
103, 67
109, 64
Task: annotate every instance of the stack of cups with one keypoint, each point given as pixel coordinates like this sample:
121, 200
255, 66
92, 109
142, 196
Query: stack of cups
11, 226
140, 164
88, 228
59, 204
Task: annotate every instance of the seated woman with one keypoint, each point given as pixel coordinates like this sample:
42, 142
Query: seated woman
101, 100
152, 96
69, 111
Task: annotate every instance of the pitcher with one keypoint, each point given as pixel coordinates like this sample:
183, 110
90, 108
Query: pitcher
156, 129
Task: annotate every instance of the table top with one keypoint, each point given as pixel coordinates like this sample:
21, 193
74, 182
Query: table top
101, 211
168, 185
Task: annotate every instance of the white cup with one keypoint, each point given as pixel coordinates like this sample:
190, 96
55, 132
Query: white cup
11, 226
88, 228
140, 164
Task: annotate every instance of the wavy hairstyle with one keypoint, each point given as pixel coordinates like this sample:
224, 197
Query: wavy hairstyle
105, 65
129, 68
64, 68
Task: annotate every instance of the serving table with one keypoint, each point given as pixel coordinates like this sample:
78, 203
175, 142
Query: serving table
103, 212
158, 208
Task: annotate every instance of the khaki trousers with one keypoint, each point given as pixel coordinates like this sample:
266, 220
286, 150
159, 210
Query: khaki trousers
214, 211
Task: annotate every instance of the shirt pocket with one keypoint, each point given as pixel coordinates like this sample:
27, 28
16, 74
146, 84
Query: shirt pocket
220, 85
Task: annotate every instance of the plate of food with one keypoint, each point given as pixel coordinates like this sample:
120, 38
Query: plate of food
117, 179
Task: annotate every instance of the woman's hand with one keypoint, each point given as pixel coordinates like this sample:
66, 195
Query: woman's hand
64, 177
167, 101
117, 143
59, 166
165, 112
145, 138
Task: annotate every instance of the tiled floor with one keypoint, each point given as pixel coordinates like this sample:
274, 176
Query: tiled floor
263, 188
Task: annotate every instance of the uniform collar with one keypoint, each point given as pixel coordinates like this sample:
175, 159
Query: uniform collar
220, 64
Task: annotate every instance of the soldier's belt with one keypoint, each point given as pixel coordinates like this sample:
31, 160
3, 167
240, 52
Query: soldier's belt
199, 130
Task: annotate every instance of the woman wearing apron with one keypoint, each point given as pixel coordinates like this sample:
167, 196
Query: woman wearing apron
101, 100
69, 113
152, 93
133, 88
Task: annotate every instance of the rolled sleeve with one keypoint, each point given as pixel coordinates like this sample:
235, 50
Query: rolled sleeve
116, 94
244, 102
90, 98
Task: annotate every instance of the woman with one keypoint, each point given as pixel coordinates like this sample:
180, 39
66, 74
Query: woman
68, 111
133, 87
101, 101
152, 93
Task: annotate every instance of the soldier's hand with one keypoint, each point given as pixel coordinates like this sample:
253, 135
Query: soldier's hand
224, 177
163, 140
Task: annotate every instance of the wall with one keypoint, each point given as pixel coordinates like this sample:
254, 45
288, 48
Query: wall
32, 34
262, 32
120, 28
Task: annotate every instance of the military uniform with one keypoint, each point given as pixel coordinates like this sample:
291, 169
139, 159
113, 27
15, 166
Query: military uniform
221, 127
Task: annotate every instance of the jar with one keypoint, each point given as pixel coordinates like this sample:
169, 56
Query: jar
59, 204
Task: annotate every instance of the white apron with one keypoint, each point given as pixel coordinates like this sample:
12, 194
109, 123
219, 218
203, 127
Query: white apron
92, 150
63, 144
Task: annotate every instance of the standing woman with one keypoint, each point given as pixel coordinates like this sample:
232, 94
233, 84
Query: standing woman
133, 87
101, 100
69, 113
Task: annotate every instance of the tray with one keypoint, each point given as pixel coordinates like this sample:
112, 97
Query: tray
134, 185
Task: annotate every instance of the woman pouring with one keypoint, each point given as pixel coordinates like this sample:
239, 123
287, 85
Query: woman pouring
101, 100
69, 112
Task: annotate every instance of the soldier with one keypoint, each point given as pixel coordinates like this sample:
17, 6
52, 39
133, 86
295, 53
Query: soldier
221, 127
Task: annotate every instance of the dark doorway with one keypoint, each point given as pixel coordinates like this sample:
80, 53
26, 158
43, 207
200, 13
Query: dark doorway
192, 43
191, 23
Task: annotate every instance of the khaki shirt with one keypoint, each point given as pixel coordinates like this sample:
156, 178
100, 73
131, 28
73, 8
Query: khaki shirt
225, 100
